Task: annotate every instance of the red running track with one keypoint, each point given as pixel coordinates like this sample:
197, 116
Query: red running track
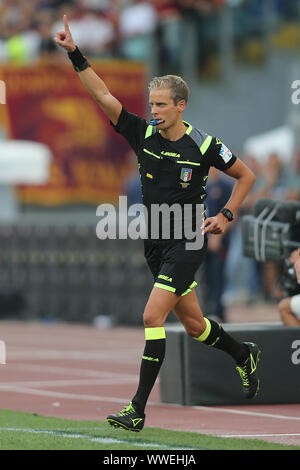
84, 373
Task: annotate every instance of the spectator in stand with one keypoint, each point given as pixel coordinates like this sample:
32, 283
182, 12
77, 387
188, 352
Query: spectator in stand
20, 41
47, 49
101, 33
137, 26
169, 35
278, 179
202, 16
20, 34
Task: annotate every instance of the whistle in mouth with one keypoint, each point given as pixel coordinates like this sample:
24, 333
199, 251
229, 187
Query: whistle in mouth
155, 122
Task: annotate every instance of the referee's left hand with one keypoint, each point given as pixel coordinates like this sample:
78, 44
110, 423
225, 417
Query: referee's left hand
215, 225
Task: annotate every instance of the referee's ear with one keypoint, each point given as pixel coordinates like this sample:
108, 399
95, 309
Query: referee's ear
181, 105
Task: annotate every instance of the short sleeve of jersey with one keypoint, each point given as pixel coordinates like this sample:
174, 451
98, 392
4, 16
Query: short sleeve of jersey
219, 156
132, 127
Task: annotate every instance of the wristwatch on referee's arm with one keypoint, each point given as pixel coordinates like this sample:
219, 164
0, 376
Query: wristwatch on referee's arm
227, 213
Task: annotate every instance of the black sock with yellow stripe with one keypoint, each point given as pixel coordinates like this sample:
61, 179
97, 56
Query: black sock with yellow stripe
215, 336
152, 360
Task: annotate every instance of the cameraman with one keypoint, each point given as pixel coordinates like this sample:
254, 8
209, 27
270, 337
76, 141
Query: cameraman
289, 308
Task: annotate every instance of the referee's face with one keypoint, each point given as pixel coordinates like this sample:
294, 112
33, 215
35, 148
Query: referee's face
163, 108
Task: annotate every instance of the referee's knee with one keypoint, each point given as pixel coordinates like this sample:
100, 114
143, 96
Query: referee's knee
195, 329
152, 319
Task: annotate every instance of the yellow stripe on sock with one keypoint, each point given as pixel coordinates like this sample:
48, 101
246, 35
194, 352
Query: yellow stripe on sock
206, 332
155, 333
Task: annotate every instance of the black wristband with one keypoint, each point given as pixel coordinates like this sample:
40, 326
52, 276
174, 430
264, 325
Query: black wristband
79, 62
227, 213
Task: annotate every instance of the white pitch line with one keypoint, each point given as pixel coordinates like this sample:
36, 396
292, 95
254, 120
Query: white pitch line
247, 413
85, 397
92, 355
101, 440
69, 382
59, 370
71, 396
260, 435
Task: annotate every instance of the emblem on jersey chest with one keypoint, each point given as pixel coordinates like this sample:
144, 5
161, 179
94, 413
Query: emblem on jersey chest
185, 176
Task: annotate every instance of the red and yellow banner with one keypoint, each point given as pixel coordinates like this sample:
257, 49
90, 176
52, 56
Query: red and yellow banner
49, 104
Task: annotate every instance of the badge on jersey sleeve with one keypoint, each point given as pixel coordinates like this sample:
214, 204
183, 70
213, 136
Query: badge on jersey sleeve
225, 153
186, 174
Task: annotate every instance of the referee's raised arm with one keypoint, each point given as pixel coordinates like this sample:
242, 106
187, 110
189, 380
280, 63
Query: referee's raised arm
92, 82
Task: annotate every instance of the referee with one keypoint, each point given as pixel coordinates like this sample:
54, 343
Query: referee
174, 160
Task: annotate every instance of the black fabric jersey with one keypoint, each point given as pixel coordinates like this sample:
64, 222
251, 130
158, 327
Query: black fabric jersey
173, 172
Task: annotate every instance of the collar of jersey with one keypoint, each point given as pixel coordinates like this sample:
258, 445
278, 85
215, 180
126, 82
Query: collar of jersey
189, 127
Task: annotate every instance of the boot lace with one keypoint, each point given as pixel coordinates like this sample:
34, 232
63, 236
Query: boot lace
127, 410
244, 375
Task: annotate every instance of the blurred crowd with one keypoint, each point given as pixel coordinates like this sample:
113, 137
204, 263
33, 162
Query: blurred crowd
130, 29
101, 28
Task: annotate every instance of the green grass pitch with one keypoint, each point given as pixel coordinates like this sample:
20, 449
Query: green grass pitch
24, 431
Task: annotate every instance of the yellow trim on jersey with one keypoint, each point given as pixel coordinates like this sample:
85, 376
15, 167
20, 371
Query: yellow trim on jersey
149, 131
188, 163
153, 154
206, 144
189, 129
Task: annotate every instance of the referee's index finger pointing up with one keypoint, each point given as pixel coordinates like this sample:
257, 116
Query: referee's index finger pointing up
66, 23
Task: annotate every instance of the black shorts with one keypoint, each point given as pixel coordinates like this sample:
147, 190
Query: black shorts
172, 266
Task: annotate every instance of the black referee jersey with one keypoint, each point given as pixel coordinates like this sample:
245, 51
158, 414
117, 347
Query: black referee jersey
173, 171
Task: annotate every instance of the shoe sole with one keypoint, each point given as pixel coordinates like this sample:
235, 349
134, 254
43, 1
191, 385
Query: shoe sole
116, 424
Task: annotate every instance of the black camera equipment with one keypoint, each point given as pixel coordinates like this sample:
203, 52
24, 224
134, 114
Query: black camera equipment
271, 234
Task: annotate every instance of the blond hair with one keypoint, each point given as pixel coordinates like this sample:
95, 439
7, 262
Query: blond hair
178, 87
